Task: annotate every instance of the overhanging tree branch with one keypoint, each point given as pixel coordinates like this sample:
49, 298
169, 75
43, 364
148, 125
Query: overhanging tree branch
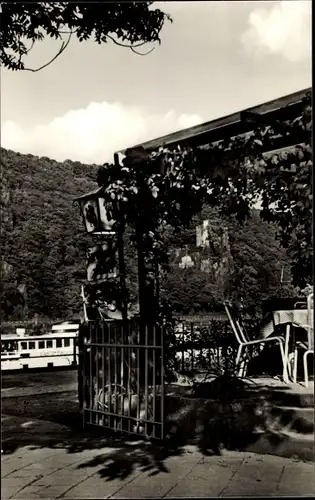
135, 24
139, 53
130, 46
63, 47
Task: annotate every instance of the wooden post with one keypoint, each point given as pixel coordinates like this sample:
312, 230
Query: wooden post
121, 257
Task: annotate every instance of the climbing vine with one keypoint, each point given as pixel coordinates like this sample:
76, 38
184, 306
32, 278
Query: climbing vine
167, 188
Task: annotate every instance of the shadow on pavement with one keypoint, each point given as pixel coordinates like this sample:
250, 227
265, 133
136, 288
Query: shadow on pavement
221, 414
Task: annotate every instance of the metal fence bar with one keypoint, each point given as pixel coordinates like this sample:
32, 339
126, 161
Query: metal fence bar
109, 383
122, 377
154, 378
138, 377
146, 394
162, 383
96, 349
115, 376
103, 368
129, 378
82, 367
91, 376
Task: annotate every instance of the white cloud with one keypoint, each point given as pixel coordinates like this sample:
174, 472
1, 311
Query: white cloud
283, 29
93, 134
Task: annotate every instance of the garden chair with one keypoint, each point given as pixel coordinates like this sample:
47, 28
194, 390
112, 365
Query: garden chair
309, 346
244, 342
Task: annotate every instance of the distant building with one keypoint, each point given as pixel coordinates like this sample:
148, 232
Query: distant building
202, 234
186, 262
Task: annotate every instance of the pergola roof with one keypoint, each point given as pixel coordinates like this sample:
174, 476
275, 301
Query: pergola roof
282, 108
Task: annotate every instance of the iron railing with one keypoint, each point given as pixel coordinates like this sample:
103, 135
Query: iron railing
122, 377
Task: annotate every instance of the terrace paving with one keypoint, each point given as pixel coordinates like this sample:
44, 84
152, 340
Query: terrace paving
61, 464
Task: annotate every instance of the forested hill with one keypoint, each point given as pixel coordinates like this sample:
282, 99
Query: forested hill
43, 247
42, 235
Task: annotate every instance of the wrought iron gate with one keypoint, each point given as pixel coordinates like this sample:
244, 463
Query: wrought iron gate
121, 377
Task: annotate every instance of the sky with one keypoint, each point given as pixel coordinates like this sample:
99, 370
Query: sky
216, 58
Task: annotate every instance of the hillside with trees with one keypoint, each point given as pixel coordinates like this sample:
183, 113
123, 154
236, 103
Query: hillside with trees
42, 235
43, 248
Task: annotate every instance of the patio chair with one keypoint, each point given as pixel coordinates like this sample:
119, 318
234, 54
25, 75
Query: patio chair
244, 342
309, 346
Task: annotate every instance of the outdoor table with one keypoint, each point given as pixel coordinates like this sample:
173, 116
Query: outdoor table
293, 317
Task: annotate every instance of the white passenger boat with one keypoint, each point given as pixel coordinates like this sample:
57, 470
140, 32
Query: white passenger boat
56, 349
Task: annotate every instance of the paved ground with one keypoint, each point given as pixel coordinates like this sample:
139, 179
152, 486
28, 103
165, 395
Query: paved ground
48, 462
44, 457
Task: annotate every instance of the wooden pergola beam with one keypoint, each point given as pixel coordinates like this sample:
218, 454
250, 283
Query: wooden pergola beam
269, 154
283, 108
